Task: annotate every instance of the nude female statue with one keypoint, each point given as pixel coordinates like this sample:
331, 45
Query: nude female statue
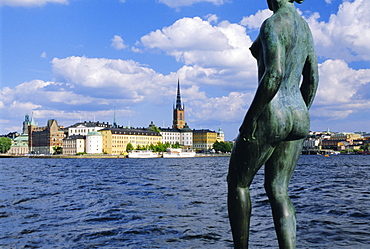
276, 123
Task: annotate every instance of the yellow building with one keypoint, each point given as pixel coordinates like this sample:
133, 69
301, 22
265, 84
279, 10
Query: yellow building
115, 140
204, 139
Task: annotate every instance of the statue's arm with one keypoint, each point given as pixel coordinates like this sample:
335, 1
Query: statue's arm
270, 81
310, 77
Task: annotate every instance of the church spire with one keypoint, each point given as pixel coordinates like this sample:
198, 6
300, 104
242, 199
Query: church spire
178, 99
114, 119
178, 111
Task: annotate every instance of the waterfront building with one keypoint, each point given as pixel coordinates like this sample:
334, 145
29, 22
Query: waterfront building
204, 139
115, 140
183, 137
94, 142
82, 128
20, 142
345, 136
312, 142
41, 140
74, 144
19, 145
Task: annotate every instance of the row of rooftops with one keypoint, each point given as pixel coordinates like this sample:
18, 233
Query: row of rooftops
136, 131
128, 131
91, 124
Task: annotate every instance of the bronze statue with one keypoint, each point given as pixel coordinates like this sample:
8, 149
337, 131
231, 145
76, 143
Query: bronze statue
276, 123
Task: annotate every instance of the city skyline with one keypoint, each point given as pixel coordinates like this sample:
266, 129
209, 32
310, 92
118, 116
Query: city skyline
77, 60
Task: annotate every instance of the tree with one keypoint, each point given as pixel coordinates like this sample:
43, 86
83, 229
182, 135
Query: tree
176, 145
156, 129
365, 147
160, 147
5, 144
57, 150
222, 146
129, 147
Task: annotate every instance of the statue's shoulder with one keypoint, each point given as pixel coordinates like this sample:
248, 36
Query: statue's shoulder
268, 29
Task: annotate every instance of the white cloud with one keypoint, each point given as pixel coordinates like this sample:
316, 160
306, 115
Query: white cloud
38, 93
347, 33
98, 76
30, 3
211, 18
212, 52
220, 109
43, 55
136, 50
118, 43
187, 34
22, 107
340, 91
50, 100
339, 83
255, 21
181, 3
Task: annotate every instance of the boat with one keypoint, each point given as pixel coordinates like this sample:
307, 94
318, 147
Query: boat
142, 154
178, 153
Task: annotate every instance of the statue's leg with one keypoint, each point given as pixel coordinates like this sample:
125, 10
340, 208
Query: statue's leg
246, 159
278, 171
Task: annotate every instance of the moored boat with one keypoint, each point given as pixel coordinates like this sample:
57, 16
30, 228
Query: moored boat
142, 154
178, 153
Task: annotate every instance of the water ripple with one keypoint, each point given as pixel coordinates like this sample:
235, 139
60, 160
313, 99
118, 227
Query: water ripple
180, 203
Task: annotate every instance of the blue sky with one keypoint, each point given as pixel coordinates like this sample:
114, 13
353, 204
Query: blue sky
74, 60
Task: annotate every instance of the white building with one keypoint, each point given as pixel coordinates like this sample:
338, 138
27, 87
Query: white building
94, 142
183, 137
186, 137
169, 135
85, 127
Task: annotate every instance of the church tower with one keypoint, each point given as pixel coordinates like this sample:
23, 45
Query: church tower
178, 111
26, 123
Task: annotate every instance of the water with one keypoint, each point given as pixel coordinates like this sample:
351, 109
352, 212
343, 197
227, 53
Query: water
173, 203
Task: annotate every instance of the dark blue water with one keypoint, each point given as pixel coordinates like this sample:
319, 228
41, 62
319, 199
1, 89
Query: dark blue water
173, 203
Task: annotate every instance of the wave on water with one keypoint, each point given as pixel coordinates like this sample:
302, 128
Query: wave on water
173, 203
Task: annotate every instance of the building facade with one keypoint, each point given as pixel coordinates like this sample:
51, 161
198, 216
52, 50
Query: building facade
115, 140
42, 140
85, 127
19, 145
73, 144
204, 139
94, 142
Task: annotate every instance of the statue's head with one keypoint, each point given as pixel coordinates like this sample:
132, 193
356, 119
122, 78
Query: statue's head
275, 4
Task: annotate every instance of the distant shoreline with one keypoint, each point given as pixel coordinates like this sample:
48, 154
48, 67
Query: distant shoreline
96, 156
